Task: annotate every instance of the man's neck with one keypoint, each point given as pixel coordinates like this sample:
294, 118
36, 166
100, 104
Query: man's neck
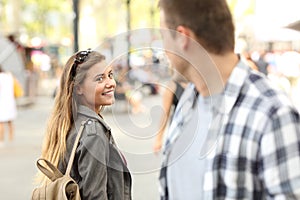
214, 81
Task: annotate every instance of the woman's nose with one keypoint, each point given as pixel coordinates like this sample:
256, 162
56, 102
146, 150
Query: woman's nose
110, 83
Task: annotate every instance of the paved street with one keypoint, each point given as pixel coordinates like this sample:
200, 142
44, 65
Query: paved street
133, 133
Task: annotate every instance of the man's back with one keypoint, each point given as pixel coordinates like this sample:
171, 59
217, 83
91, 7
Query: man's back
257, 153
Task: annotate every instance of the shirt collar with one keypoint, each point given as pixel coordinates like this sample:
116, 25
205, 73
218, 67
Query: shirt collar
232, 88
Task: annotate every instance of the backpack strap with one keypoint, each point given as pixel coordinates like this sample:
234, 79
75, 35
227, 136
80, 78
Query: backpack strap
52, 174
72, 156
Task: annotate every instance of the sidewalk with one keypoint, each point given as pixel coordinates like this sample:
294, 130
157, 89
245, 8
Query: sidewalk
134, 135
17, 159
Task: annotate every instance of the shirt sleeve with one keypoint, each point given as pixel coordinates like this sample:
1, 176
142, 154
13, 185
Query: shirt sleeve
92, 167
280, 155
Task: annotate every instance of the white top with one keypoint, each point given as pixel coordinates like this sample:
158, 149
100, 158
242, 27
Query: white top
8, 107
185, 167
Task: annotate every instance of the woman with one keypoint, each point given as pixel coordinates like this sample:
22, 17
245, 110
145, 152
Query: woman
86, 86
8, 106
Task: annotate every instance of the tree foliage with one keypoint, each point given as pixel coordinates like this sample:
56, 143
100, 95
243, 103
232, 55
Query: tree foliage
52, 20
48, 19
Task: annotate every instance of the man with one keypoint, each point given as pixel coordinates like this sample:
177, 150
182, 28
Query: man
233, 136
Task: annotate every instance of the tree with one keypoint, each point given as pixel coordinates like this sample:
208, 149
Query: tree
48, 19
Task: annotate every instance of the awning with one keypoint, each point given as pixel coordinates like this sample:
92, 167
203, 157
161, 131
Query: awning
11, 60
295, 25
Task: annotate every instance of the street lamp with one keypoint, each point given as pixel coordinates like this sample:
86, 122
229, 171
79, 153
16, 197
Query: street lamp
152, 14
75, 23
128, 32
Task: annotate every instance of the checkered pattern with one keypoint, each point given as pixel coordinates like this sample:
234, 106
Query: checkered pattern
257, 155
181, 116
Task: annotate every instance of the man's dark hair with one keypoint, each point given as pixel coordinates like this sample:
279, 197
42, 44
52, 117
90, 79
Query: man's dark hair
210, 20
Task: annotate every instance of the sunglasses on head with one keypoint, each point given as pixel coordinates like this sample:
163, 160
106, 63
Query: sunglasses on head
79, 59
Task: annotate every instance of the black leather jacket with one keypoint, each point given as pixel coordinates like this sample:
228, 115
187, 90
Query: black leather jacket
99, 167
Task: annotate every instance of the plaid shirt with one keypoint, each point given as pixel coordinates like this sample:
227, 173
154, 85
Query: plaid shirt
254, 142
181, 116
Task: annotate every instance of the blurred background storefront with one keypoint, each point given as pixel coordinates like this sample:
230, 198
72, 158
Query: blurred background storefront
46, 33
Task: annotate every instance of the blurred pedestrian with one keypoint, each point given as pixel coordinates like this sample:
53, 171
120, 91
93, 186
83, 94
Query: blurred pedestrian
170, 98
233, 136
262, 64
86, 86
248, 60
124, 91
8, 106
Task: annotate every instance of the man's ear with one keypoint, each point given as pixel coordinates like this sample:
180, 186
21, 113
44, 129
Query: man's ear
184, 37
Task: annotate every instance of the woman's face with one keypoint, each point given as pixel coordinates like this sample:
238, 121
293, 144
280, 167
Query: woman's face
98, 87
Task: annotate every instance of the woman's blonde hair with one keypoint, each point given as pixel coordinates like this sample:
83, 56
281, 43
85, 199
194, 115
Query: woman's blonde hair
65, 107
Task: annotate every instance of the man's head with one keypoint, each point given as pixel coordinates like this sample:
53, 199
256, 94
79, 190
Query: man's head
210, 21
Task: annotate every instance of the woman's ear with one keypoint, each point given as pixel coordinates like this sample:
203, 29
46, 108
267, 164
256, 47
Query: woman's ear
78, 90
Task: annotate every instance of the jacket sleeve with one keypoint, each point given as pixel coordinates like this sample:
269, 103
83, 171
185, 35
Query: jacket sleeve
92, 164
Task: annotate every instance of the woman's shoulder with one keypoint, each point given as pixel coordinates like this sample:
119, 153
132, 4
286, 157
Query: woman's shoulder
94, 138
90, 118
96, 126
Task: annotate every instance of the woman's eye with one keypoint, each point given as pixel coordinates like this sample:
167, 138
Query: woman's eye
111, 75
99, 79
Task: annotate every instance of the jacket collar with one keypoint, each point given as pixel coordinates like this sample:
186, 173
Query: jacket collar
84, 110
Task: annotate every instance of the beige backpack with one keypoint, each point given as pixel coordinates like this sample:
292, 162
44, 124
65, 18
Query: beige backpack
61, 187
